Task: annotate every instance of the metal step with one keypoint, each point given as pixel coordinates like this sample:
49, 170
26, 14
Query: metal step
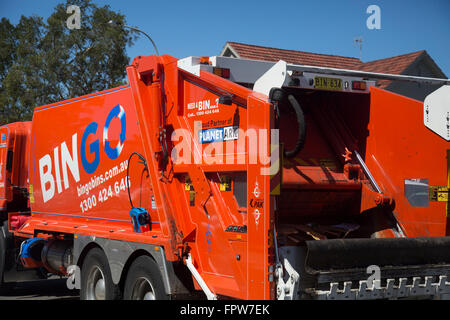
394, 289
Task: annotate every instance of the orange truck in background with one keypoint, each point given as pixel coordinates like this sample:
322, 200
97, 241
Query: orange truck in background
234, 179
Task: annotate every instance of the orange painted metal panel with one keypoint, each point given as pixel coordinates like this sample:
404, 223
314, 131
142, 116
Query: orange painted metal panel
400, 147
79, 158
14, 139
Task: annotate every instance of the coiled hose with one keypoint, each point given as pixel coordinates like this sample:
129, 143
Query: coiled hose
301, 128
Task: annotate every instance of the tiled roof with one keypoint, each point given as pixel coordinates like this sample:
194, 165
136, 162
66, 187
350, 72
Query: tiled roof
248, 51
392, 65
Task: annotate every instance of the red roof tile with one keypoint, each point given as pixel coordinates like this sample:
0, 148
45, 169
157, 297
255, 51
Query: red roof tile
392, 65
248, 51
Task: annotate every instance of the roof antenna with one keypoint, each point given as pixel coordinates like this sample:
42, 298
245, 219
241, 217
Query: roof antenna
358, 41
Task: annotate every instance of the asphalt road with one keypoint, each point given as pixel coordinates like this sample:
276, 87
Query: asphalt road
52, 289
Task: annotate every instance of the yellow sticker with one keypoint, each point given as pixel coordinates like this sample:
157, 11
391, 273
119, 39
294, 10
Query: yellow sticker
187, 184
30, 191
225, 183
442, 194
439, 193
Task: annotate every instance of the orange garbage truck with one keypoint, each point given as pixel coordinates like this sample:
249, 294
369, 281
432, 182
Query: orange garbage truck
232, 178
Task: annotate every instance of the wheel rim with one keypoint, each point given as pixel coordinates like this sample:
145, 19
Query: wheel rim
143, 290
96, 285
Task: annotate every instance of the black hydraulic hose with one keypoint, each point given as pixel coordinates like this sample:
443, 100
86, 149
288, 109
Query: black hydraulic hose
128, 168
165, 153
301, 128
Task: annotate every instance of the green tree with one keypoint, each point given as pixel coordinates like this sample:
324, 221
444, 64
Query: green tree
45, 62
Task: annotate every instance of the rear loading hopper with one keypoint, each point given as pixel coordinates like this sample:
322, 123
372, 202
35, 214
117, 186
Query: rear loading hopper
359, 199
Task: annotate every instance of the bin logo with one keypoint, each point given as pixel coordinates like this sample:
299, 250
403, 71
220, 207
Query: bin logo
65, 160
118, 112
94, 147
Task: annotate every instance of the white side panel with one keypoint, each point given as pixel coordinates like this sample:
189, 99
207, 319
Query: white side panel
190, 64
275, 77
242, 70
436, 112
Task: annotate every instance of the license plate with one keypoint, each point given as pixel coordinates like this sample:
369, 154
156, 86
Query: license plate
327, 83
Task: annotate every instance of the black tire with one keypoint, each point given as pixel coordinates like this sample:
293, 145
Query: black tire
5, 287
96, 269
2, 258
144, 281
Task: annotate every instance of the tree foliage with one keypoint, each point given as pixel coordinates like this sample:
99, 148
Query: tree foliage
42, 62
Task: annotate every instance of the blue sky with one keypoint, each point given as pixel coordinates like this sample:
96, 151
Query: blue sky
185, 28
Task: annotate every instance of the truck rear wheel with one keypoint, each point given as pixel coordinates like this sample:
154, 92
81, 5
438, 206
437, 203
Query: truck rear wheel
4, 287
2, 258
144, 281
96, 279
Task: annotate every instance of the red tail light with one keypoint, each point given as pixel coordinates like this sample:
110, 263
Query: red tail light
222, 72
359, 85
